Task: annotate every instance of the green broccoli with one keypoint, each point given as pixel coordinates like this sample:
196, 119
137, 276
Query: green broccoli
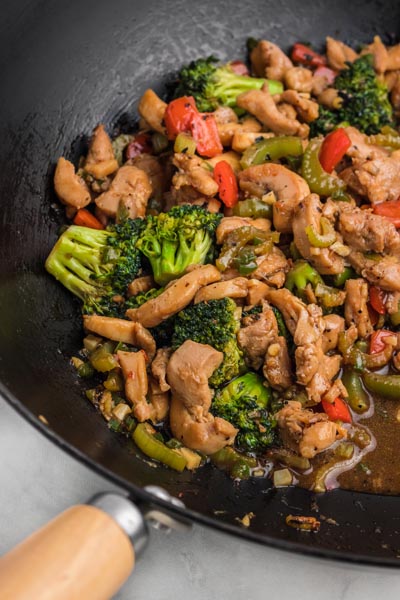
174, 240
97, 266
365, 100
244, 403
212, 85
216, 323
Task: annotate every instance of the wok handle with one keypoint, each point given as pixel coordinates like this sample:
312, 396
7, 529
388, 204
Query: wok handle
84, 553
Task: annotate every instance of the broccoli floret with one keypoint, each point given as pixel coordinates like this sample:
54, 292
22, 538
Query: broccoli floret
215, 323
244, 403
139, 299
365, 100
174, 240
97, 265
212, 85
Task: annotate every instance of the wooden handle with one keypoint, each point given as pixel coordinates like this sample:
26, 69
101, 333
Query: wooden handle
82, 554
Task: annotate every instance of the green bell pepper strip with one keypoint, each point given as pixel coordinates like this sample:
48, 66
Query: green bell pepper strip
300, 275
237, 240
358, 399
319, 181
340, 279
237, 465
253, 207
329, 297
324, 239
388, 137
361, 360
144, 438
271, 149
387, 386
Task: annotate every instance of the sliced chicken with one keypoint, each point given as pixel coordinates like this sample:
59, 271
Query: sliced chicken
355, 307
159, 367
360, 148
188, 372
272, 268
366, 232
383, 272
299, 79
256, 334
191, 172
378, 179
243, 139
307, 109
307, 432
155, 171
380, 54
277, 368
233, 288
257, 291
289, 188
393, 59
268, 60
70, 188
339, 54
130, 189
140, 285
100, 161
133, 365
152, 109
334, 325
261, 104
175, 297
308, 214
120, 330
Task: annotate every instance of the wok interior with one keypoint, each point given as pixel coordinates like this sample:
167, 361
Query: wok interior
84, 63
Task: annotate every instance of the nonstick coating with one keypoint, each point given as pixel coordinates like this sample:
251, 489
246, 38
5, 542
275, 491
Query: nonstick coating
64, 68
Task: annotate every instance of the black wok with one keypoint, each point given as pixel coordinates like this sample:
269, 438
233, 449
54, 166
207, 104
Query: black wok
65, 67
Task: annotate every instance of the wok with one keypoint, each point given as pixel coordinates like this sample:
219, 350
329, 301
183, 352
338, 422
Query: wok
64, 68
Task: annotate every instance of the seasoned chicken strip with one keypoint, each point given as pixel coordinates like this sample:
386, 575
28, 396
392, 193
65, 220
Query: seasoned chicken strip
192, 172
175, 297
268, 60
70, 188
188, 372
339, 54
152, 109
100, 160
233, 288
120, 330
159, 367
131, 188
355, 307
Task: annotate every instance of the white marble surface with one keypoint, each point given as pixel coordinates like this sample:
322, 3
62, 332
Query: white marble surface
38, 480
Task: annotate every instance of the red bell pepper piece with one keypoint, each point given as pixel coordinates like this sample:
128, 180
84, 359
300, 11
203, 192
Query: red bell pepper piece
238, 67
84, 218
373, 315
333, 148
327, 73
377, 340
306, 56
227, 183
390, 210
337, 410
205, 133
178, 116
141, 144
377, 298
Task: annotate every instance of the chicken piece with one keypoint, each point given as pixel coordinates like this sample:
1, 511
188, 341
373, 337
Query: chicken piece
120, 330
308, 213
131, 189
366, 232
384, 272
152, 109
175, 297
159, 368
226, 131
256, 334
299, 79
360, 149
229, 224
286, 109
225, 114
355, 308
100, 161
306, 108
140, 285
392, 304
272, 268
70, 188
308, 358
133, 365
243, 139
307, 432
393, 58
379, 179
256, 291
330, 98
319, 84
230, 157
334, 325
277, 365
380, 54
158, 177
188, 372
261, 104
191, 172
268, 60
159, 401
322, 380
395, 94
289, 188
339, 54
291, 308
233, 288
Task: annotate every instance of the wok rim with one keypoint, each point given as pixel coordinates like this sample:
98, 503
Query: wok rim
138, 493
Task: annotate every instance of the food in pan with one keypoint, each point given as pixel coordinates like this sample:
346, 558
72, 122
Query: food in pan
237, 260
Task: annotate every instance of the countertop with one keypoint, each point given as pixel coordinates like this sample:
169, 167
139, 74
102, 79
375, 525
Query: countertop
38, 481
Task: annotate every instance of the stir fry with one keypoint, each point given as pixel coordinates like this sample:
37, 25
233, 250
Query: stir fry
237, 260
